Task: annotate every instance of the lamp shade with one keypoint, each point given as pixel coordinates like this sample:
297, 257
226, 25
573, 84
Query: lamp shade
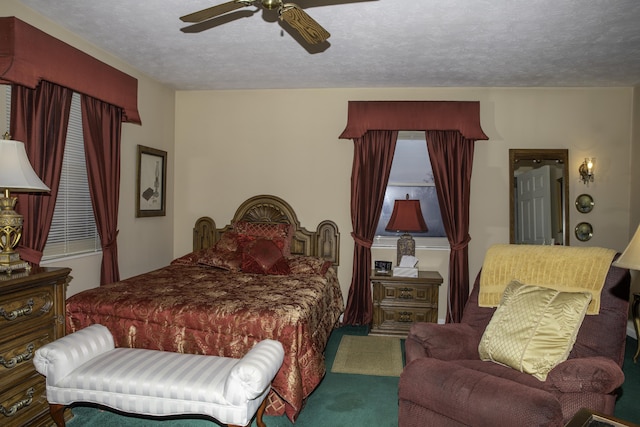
630, 258
407, 216
16, 172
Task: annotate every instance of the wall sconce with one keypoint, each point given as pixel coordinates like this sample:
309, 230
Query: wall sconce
586, 170
406, 217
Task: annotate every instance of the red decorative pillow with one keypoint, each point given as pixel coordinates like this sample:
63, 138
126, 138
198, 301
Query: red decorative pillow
264, 257
280, 233
233, 242
308, 265
226, 260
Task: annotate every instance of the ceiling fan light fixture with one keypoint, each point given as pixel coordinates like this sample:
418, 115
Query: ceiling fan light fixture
271, 4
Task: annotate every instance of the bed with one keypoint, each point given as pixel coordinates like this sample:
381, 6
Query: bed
232, 291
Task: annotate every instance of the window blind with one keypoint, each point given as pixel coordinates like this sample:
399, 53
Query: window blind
73, 229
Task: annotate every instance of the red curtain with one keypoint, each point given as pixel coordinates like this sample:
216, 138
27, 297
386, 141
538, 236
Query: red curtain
39, 118
29, 56
34, 62
101, 130
451, 157
373, 154
461, 118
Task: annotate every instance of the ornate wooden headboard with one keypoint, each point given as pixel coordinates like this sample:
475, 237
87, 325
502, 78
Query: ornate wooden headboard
324, 242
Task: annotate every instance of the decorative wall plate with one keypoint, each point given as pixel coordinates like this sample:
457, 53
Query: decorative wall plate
584, 231
584, 203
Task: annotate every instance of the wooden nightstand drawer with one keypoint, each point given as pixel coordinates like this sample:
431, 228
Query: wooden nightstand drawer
397, 320
398, 302
426, 294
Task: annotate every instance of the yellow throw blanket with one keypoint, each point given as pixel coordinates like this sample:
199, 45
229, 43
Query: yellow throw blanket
564, 268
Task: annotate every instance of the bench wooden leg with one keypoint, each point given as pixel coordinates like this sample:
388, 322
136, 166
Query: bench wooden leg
57, 413
259, 421
261, 410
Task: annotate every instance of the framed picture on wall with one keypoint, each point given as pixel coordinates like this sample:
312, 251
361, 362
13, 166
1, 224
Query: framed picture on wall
151, 182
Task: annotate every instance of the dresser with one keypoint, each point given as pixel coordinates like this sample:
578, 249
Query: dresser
400, 301
32, 310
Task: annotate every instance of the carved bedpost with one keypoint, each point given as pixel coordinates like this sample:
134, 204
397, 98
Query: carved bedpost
204, 233
328, 242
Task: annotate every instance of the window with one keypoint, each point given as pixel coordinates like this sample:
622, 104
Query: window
411, 174
73, 229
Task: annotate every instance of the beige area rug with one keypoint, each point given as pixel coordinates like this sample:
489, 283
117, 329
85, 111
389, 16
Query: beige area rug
369, 355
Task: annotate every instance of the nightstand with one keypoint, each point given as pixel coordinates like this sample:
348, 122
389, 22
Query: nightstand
32, 314
400, 301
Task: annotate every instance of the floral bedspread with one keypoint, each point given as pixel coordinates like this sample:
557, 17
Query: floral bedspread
204, 310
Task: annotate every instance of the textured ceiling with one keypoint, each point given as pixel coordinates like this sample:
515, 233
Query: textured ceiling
374, 43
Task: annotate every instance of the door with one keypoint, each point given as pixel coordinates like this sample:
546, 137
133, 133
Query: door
533, 204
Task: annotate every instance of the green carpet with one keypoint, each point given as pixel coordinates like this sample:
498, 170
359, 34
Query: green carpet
627, 407
348, 400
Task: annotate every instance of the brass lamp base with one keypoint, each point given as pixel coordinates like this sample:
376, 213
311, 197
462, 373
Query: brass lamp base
13, 265
10, 261
406, 246
10, 233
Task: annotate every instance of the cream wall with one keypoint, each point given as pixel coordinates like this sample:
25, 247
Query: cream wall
143, 243
231, 145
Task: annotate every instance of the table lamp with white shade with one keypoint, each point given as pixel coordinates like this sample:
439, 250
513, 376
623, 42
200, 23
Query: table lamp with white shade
17, 175
630, 258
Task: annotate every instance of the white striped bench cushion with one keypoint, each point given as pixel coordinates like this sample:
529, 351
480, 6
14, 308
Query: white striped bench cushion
151, 382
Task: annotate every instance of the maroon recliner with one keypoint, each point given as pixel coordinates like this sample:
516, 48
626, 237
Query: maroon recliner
446, 384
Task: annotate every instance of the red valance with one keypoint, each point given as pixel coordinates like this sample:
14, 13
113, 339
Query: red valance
28, 55
463, 116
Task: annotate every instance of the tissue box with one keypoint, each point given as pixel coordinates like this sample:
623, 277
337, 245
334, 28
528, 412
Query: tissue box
405, 271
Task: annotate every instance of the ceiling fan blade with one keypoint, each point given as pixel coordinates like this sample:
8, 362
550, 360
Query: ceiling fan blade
198, 27
309, 29
213, 11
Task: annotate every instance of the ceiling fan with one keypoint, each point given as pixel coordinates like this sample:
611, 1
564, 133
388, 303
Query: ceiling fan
291, 13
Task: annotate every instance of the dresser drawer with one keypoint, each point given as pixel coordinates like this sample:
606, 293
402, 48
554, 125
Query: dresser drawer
25, 404
403, 317
408, 293
26, 309
16, 356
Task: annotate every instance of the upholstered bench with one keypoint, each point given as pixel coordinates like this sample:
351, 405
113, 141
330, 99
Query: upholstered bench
86, 367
